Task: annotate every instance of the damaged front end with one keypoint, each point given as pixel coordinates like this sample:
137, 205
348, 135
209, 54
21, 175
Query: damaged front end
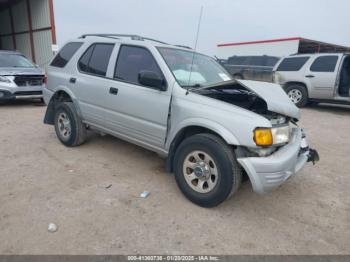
266, 99
281, 149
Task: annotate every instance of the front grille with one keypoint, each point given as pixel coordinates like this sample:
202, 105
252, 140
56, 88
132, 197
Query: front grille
31, 80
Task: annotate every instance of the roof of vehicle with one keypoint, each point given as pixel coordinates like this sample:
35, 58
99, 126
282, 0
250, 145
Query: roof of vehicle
316, 54
130, 39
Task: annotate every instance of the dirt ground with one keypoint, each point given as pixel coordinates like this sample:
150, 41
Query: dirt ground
92, 194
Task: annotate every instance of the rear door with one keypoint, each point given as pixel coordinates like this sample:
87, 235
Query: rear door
322, 75
91, 84
137, 112
291, 69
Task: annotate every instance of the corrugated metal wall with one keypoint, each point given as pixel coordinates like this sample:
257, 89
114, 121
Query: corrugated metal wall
5, 24
23, 44
42, 47
32, 31
20, 15
42, 39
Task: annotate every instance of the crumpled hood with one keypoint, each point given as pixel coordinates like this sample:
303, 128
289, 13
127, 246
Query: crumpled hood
276, 99
10, 71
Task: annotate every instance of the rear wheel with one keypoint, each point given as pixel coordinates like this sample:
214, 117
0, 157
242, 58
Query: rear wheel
68, 126
297, 94
206, 170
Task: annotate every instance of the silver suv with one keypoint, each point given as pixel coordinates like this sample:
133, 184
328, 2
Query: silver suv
181, 104
315, 78
19, 77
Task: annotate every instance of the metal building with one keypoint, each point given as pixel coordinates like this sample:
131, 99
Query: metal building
29, 27
277, 47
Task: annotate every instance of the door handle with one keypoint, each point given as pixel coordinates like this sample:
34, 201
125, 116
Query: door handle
72, 80
113, 91
310, 76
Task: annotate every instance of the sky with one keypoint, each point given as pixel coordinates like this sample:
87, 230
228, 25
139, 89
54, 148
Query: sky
223, 21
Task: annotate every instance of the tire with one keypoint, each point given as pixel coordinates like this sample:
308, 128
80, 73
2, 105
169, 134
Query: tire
68, 126
217, 155
298, 94
312, 103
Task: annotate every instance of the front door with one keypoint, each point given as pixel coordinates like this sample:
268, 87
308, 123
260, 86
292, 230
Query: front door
135, 111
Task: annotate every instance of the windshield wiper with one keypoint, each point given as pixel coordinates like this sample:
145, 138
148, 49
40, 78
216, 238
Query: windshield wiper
191, 87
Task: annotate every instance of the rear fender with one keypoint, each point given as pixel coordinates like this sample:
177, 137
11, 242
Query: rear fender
61, 95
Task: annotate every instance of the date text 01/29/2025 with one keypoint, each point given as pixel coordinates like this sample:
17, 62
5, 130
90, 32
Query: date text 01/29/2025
172, 258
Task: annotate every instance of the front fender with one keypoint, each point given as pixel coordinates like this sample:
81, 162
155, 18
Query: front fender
205, 123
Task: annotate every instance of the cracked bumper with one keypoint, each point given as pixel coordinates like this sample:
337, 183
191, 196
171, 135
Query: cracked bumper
267, 173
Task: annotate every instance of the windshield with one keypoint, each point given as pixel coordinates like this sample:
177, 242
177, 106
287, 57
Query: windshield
204, 71
14, 60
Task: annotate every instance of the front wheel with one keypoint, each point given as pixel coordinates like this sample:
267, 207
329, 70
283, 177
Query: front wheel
297, 94
68, 126
206, 170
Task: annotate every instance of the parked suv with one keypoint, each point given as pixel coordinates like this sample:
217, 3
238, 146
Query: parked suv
251, 67
315, 78
182, 105
19, 77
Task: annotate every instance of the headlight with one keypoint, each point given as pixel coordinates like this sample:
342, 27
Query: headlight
280, 135
4, 79
271, 136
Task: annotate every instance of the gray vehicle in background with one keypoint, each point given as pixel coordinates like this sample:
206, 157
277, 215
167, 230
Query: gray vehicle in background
19, 77
182, 105
258, 68
315, 78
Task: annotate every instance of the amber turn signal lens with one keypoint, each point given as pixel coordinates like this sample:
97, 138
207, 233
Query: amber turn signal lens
263, 137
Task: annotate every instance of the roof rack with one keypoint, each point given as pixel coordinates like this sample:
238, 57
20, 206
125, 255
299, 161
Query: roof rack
184, 46
116, 36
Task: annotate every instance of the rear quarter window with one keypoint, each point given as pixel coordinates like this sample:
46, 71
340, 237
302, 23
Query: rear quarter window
292, 63
324, 64
95, 60
65, 54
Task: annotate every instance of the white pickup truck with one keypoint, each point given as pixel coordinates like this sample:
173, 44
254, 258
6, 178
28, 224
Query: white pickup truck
315, 78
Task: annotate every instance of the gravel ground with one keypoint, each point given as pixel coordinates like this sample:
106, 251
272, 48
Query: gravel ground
92, 194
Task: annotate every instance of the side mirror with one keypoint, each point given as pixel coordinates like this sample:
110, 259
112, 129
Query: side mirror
152, 79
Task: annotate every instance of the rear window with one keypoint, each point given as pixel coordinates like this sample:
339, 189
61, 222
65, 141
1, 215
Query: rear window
256, 60
238, 60
253, 60
14, 60
65, 54
271, 61
293, 63
324, 64
96, 59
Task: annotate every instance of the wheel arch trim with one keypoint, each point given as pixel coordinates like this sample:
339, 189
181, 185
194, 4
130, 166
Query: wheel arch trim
177, 135
54, 100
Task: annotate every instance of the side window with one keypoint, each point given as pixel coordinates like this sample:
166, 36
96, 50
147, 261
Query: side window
131, 61
324, 64
83, 63
96, 58
271, 61
65, 54
256, 61
293, 63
